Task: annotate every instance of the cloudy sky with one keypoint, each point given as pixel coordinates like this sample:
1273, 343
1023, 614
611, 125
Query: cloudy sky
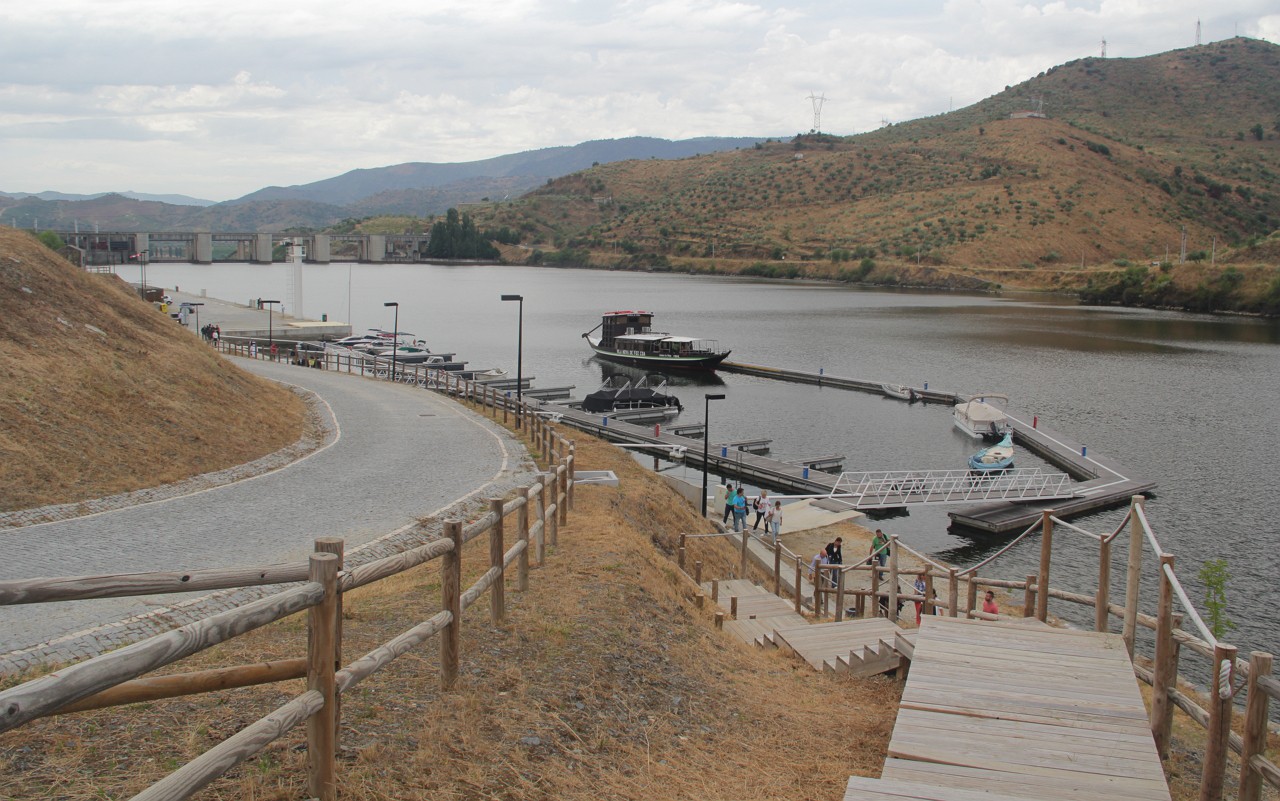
217, 98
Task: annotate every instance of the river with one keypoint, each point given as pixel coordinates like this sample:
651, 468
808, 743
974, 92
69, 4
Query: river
1189, 401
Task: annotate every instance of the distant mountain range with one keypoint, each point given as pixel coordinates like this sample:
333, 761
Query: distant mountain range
176, 200
413, 189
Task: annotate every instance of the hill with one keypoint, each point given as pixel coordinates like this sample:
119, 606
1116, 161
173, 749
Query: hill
100, 393
1131, 152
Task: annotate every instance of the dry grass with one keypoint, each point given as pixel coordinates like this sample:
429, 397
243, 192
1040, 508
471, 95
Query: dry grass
100, 393
605, 681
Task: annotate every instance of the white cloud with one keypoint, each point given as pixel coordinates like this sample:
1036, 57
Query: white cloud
221, 97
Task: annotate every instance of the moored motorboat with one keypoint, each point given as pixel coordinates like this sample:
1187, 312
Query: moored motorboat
628, 337
618, 394
994, 457
979, 419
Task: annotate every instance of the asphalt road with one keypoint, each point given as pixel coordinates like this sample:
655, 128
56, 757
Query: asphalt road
401, 453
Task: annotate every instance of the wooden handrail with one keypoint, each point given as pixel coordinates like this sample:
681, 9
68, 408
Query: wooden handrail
120, 585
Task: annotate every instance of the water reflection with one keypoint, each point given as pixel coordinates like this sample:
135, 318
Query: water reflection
674, 378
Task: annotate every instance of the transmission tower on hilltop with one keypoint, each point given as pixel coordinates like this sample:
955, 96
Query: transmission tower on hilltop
1197, 33
817, 101
1104, 48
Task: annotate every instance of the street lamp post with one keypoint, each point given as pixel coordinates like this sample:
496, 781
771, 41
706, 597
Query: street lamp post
395, 336
519, 360
706, 438
270, 304
196, 306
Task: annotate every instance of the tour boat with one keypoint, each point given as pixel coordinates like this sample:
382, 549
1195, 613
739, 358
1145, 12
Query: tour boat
627, 337
995, 457
979, 419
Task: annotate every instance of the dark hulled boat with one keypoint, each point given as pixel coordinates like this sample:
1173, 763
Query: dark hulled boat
628, 337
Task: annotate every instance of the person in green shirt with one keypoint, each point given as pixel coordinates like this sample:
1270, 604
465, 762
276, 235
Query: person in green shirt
880, 547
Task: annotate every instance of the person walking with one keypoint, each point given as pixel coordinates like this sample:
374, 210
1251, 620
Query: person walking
762, 507
880, 547
728, 502
740, 511
775, 521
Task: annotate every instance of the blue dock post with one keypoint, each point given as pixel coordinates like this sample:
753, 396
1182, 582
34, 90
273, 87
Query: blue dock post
1084, 450
806, 472
926, 386
724, 452
604, 421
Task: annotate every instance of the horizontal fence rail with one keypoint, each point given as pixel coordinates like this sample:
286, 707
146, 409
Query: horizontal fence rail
111, 679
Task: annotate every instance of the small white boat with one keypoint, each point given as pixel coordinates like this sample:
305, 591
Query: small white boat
979, 419
900, 392
995, 457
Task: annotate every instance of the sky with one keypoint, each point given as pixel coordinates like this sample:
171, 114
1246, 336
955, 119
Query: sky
218, 98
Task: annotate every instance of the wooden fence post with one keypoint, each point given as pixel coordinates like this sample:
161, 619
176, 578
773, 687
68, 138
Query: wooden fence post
697, 572
451, 600
497, 549
733, 607
971, 596
839, 595
777, 569
715, 590
953, 592
1215, 752
742, 554
680, 553
322, 726
553, 484
337, 547
719, 619
796, 588
1046, 556
1101, 602
1163, 679
1029, 597
1134, 576
893, 579
562, 501
573, 470
541, 540
929, 608
522, 534
875, 591
1255, 726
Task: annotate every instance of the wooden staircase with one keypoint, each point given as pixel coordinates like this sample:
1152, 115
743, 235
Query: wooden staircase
857, 647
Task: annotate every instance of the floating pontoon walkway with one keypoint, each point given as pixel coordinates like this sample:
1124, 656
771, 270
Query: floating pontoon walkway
1007, 713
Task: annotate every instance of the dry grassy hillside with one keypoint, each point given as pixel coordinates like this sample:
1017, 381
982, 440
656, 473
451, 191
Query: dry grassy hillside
100, 393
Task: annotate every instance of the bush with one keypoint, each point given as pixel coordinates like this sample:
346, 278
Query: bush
51, 240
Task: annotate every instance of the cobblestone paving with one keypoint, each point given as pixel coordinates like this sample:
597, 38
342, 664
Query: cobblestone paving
394, 462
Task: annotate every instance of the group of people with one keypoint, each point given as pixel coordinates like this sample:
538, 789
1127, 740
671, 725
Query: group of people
211, 333
768, 512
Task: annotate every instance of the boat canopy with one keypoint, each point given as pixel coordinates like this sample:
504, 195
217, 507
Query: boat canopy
980, 412
657, 338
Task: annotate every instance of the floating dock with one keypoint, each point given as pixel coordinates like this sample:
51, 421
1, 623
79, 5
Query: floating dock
1103, 483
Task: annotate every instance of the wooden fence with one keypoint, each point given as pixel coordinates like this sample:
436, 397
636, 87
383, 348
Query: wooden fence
1231, 675
117, 677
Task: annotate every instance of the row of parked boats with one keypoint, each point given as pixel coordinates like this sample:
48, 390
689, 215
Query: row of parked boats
404, 348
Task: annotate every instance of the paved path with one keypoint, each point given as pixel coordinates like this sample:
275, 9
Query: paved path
400, 454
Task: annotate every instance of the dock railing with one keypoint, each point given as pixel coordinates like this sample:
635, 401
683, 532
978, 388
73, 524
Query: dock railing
118, 677
1230, 676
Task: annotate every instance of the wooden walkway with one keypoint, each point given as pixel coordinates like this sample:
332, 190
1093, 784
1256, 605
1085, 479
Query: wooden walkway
1008, 713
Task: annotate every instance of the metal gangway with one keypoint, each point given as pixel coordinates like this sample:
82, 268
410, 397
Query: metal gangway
894, 488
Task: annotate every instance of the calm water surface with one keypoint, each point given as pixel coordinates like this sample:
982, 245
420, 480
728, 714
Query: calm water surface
1189, 401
